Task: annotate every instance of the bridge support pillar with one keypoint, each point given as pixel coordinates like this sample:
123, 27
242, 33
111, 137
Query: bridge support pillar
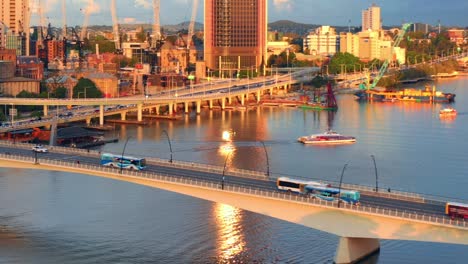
139, 112
123, 116
271, 91
88, 121
229, 100
198, 107
223, 103
211, 103
53, 134
258, 96
157, 109
170, 108
101, 115
46, 110
352, 250
186, 105
242, 99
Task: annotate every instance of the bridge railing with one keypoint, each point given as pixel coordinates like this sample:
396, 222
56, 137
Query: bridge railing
227, 186
368, 190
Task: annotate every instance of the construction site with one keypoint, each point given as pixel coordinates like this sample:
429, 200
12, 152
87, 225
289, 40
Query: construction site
134, 62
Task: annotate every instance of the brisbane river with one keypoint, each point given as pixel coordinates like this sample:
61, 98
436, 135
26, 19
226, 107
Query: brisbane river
56, 217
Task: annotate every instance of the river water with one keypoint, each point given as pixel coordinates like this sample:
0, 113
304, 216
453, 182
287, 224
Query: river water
55, 217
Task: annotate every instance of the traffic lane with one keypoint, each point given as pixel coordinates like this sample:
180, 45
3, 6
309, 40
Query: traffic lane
402, 205
384, 203
161, 169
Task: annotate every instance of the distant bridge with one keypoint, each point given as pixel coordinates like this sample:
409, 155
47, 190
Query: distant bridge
240, 90
355, 78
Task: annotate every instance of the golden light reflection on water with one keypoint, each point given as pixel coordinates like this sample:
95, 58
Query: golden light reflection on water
226, 149
231, 241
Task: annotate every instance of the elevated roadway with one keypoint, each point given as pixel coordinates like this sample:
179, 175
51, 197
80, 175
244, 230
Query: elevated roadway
190, 97
381, 215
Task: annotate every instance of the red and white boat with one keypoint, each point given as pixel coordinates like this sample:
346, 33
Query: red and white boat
328, 137
448, 112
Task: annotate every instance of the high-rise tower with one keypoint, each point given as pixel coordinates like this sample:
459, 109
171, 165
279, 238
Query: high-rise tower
371, 18
235, 35
15, 15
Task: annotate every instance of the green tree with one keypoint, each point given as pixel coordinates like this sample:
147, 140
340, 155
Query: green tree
61, 92
141, 35
86, 87
27, 108
339, 59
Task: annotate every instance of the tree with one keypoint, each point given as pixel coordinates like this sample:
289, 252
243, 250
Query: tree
298, 43
339, 59
86, 88
141, 35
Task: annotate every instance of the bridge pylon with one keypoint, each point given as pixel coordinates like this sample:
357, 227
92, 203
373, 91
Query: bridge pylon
354, 249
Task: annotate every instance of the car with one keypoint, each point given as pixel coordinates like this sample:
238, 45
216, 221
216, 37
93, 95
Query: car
40, 148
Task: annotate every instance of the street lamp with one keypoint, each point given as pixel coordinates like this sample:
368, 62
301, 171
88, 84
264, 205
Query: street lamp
267, 160
123, 152
169, 141
224, 170
376, 178
341, 181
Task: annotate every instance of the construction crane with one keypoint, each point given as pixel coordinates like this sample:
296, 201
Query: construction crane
84, 28
191, 28
384, 67
40, 33
64, 20
156, 25
115, 28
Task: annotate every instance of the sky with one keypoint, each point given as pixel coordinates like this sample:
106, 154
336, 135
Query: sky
322, 12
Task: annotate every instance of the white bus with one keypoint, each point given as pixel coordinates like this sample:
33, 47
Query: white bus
294, 185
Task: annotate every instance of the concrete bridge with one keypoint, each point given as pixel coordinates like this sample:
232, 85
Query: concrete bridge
355, 78
226, 93
381, 215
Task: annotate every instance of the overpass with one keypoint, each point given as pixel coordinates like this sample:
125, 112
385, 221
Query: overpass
224, 93
381, 215
356, 78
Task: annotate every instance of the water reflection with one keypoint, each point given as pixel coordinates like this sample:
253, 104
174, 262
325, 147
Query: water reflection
231, 241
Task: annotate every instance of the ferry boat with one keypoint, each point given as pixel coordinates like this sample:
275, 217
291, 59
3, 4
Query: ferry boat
447, 112
410, 94
328, 137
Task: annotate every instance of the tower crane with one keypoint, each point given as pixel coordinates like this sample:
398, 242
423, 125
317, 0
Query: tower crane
156, 25
115, 28
40, 33
84, 28
191, 28
64, 20
384, 67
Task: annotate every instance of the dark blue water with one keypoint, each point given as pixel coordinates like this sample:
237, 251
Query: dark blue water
54, 217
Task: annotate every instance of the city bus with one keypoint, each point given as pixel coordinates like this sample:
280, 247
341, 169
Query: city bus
329, 193
454, 210
293, 185
124, 162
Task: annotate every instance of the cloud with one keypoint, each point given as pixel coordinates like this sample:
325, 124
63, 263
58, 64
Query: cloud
283, 4
143, 3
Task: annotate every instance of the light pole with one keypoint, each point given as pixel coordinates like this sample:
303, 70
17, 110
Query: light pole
123, 152
267, 160
224, 170
376, 178
341, 181
169, 141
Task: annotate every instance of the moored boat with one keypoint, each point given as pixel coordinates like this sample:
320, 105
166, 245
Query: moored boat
328, 137
409, 94
448, 112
